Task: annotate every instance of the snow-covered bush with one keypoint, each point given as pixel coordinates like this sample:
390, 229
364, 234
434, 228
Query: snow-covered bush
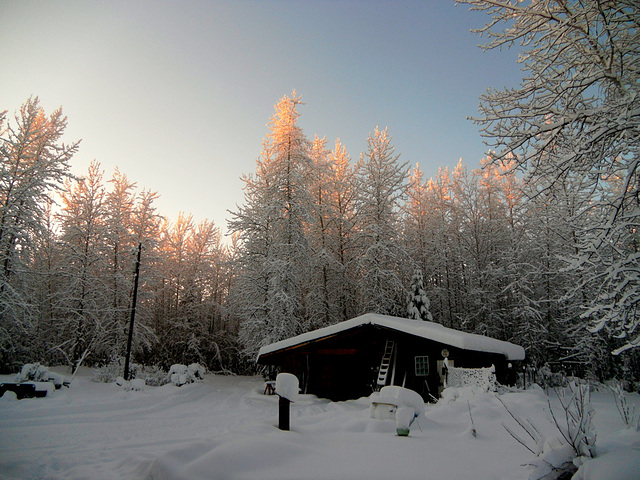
136, 384
111, 371
547, 378
627, 411
153, 376
577, 428
32, 372
181, 374
559, 456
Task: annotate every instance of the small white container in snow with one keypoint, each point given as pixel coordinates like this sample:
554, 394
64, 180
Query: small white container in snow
287, 386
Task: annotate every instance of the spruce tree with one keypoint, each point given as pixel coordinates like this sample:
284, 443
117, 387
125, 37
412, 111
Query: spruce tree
417, 301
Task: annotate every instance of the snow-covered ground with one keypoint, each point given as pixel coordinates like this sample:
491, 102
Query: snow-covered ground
225, 428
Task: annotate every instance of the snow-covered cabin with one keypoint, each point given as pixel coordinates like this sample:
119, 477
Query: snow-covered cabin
353, 358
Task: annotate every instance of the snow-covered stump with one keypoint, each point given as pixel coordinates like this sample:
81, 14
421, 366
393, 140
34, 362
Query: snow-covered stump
287, 388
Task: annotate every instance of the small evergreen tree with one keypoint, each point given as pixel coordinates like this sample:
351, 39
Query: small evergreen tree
417, 301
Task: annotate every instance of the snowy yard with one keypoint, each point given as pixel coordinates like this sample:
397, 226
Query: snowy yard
225, 428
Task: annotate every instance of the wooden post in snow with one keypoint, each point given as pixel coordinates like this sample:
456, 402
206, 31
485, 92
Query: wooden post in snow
133, 314
284, 413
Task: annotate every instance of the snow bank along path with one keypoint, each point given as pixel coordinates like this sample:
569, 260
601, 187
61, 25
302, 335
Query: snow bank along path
225, 428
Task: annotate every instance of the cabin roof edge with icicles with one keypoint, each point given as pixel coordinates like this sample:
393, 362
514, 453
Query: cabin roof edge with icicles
353, 358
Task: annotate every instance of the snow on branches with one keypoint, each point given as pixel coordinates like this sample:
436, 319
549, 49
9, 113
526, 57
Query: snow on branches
576, 117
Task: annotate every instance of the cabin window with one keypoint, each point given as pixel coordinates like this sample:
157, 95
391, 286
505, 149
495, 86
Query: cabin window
422, 366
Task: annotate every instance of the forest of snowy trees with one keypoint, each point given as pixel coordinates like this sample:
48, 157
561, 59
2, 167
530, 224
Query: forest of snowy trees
539, 245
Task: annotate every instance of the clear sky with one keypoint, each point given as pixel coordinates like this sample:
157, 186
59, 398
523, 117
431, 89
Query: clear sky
177, 94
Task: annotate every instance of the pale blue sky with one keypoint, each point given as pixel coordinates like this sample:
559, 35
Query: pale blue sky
178, 94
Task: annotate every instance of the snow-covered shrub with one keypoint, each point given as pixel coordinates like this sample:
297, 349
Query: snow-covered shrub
628, 413
562, 455
577, 428
178, 374
547, 378
196, 371
32, 372
181, 374
153, 376
136, 384
111, 371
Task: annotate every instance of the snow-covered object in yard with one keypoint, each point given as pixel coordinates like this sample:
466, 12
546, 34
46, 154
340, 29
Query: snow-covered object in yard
196, 372
181, 374
404, 419
400, 396
483, 378
57, 379
32, 372
178, 374
137, 384
44, 387
403, 403
287, 386
429, 330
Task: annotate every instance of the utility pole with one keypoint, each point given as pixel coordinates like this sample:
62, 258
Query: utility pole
133, 314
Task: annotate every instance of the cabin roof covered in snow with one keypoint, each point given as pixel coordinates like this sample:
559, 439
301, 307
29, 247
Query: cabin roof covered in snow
429, 330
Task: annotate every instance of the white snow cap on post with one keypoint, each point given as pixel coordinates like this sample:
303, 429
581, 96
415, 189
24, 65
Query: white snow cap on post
287, 386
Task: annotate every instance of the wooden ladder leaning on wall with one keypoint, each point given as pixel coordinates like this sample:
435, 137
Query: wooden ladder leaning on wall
385, 364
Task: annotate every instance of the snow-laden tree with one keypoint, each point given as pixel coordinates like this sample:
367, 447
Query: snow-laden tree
33, 164
417, 301
441, 260
381, 188
188, 306
321, 298
274, 268
577, 112
342, 232
86, 315
425, 232
119, 207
